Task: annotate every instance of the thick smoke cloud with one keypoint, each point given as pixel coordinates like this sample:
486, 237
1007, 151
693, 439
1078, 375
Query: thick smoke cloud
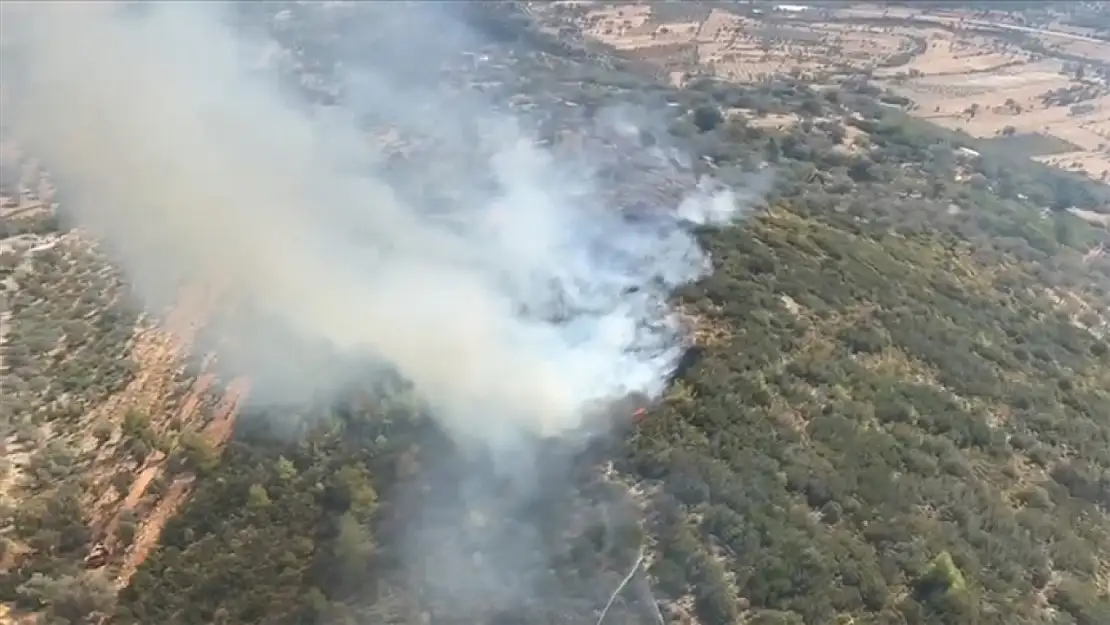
513, 313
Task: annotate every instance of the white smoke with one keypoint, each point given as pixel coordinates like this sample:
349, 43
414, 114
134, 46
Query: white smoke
186, 158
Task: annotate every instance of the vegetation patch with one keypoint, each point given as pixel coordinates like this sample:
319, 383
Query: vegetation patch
1031, 144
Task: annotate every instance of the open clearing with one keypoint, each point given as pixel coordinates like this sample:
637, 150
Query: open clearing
962, 71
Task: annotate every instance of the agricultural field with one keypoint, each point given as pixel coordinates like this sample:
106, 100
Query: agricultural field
989, 74
1033, 98
743, 48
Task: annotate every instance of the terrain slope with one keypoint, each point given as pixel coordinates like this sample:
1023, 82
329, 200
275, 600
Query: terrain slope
898, 410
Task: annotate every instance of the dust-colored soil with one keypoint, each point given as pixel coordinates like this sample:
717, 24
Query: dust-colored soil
8, 616
222, 425
146, 540
1093, 217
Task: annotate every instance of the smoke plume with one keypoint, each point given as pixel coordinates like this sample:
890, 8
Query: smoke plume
515, 307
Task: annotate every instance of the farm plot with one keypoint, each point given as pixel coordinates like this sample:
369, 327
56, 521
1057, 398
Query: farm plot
741, 48
1012, 101
953, 72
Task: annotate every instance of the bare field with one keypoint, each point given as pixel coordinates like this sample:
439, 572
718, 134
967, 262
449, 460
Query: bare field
746, 49
1094, 50
947, 55
1011, 101
955, 73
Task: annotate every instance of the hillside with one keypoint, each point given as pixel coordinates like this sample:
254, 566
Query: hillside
95, 396
898, 410
1034, 79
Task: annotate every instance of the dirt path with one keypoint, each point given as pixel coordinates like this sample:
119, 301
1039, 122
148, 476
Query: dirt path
155, 464
146, 541
217, 432
160, 355
222, 426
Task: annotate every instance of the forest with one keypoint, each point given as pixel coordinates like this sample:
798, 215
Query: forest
898, 413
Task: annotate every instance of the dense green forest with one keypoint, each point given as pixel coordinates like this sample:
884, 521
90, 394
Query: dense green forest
899, 413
